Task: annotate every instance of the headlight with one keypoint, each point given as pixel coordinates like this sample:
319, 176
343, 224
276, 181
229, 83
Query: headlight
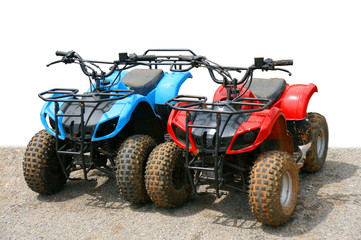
244, 140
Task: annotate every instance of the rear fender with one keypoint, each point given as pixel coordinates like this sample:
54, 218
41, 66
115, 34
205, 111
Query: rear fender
295, 99
169, 86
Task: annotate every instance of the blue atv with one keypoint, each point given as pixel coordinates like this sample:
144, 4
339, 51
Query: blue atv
112, 127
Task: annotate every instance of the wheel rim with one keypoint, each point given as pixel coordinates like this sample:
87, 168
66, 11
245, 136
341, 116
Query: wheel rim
286, 189
320, 143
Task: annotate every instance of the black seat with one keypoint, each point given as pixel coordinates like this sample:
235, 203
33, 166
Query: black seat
142, 81
268, 88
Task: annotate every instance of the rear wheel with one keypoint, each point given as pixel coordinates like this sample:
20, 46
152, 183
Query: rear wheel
316, 155
273, 189
166, 178
41, 167
130, 167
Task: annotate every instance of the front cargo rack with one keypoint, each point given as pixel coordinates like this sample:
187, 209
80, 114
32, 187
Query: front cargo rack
70, 95
233, 107
62, 95
199, 104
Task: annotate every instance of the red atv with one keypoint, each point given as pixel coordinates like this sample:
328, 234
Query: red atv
254, 137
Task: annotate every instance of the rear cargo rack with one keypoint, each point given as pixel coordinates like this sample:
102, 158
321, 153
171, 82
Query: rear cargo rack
199, 104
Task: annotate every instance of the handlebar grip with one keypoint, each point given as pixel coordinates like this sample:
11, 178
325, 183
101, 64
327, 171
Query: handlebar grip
60, 53
145, 57
68, 54
283, 62
191, 57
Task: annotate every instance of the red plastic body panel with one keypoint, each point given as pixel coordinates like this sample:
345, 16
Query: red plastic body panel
292, 105
265, 121
294, 100
178, 118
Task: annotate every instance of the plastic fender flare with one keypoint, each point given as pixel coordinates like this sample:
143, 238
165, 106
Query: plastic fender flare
178, 118
123, 109
49, 110
295, 99
264, 121
169, 86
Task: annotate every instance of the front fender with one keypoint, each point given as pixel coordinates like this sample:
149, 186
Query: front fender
48, 111
295, 99
122, 109
264, 121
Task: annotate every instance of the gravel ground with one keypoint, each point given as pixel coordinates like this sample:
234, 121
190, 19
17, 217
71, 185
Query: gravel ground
329, 207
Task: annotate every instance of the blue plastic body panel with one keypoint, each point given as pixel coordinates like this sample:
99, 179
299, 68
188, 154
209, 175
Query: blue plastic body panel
123, 109
49, 110
167, 88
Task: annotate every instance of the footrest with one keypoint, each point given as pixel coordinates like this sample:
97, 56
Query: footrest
79, 179
212, 192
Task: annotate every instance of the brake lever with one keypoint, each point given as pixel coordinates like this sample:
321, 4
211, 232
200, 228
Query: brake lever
59, 61
283, 70
65, 60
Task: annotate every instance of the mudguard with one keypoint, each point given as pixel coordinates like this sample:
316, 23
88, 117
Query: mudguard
264, 122
123, 109
48, 112
295, 99
169, 86
178, 119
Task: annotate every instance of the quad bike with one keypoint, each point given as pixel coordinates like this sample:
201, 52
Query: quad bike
253, 137
112, 127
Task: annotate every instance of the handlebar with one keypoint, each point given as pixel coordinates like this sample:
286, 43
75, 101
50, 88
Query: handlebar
176, 63
72, 56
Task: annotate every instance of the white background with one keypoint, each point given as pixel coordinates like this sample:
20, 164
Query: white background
323, 38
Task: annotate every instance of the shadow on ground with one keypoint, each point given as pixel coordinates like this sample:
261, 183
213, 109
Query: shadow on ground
100, 192
312, 209
231, 210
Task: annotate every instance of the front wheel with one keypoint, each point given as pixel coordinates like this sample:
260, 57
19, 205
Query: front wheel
273, 189
41, 167
316, 155
166, 177
130, 165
